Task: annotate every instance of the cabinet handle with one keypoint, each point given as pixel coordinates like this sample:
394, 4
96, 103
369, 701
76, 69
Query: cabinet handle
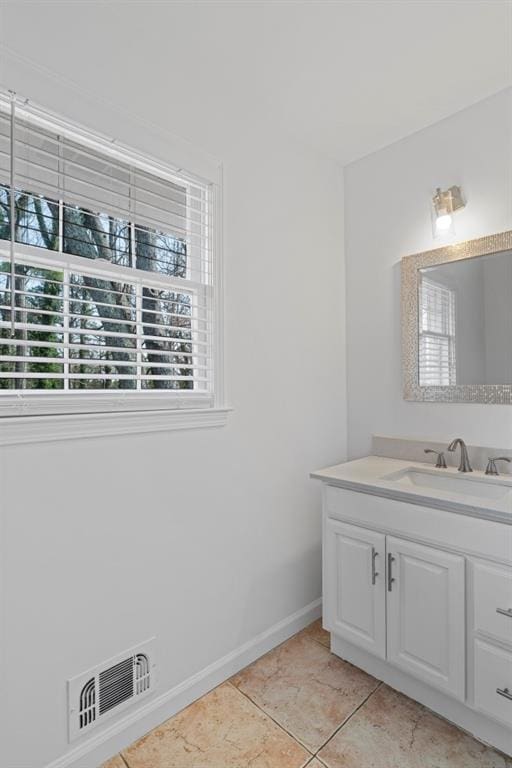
504, 692
505, 612
391, 560
375, 573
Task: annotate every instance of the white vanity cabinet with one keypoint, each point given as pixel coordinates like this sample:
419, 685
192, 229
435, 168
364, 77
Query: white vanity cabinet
399, 600
421, 598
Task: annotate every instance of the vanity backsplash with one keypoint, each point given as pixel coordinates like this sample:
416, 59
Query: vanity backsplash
409, 449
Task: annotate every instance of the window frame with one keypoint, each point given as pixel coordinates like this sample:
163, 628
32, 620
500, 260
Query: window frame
450, 337
190, 407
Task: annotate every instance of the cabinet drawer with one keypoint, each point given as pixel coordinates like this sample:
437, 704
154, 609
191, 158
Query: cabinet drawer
493, 672
492, 600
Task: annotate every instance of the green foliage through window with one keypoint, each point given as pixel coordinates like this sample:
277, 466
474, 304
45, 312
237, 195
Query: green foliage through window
78, 331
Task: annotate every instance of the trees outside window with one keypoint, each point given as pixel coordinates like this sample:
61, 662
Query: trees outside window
82, 331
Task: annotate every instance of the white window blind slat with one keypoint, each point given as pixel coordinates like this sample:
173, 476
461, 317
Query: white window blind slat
437, 337
113, 271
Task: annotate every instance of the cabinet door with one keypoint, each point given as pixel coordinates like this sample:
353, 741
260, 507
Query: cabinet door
426, 614
355, 592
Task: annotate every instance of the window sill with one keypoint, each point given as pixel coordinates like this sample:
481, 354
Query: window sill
16, 430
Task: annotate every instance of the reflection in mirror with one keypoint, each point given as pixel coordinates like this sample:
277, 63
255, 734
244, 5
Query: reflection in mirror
465, 322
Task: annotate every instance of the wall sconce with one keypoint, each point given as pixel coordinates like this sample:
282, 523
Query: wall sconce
444, 205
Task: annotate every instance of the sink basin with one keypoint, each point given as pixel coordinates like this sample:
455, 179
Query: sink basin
449, 483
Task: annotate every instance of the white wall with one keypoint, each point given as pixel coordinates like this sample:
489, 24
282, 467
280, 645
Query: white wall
387, 216
498, 318
202, 538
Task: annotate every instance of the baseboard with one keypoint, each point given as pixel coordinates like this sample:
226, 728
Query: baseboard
102, 745
474, 723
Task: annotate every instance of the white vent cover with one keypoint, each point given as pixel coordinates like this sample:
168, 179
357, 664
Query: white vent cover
110, 687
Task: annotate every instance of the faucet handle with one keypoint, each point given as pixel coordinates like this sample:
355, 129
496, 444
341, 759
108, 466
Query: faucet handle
491, 468
441, 461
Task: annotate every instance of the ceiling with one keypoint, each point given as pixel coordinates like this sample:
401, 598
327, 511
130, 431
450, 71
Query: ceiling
345, 78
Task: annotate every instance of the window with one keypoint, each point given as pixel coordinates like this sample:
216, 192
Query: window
108, 295
437, 362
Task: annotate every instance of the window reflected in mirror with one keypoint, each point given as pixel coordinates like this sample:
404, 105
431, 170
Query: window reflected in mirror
465, 322
437, 334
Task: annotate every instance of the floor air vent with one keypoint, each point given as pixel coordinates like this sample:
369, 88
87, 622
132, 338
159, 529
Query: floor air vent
107, 689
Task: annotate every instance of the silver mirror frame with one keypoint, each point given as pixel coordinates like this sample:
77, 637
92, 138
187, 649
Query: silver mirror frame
499, 394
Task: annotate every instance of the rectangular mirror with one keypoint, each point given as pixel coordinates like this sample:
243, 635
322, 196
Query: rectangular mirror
457, 322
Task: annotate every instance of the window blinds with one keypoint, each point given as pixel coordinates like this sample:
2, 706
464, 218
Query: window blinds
111, 285
437, 361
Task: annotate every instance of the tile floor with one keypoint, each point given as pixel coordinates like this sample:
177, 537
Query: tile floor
301, 706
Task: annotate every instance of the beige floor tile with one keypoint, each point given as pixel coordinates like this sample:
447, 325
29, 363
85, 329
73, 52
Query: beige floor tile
221, 730
315, 764
114, 762
391, 731
306, 689
316, 632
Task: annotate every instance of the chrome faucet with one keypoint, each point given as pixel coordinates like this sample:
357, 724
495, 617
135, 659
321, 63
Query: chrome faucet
464, 465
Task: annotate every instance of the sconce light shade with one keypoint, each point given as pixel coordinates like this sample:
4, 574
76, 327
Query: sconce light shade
444, 205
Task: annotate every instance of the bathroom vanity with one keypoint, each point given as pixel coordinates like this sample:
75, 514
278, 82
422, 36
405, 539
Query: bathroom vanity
417, 582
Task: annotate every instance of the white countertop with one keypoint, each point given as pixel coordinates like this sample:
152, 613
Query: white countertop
368, 476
